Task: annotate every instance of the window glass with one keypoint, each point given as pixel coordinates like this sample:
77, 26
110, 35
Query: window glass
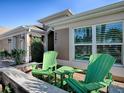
83, 52
83, 35
114, 50
109, 33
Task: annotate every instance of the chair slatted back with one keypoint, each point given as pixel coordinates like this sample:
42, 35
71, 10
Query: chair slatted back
49, 59
98, 68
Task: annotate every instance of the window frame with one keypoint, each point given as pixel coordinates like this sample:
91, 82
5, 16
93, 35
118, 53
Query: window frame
80, 44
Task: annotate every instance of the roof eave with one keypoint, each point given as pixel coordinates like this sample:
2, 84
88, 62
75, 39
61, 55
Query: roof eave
109, 9
66, 12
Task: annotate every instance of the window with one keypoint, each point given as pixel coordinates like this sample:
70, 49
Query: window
109, 40
109, 33
83, 41
82, 52
83, 35
114, 50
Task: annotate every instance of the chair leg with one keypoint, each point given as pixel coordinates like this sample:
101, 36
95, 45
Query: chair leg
62, 77
107, 89
49, 79
55, 79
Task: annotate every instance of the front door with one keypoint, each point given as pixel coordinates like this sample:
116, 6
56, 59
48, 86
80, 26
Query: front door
51, 41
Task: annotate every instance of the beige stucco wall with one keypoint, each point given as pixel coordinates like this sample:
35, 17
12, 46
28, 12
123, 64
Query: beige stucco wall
62, 43
0, 44
4, 44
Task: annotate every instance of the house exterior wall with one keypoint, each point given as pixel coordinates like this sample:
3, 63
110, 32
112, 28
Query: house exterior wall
62, 43
4, 44
117, 70
0, 44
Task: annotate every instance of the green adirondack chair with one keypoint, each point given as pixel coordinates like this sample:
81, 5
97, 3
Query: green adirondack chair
49, 65
96, 75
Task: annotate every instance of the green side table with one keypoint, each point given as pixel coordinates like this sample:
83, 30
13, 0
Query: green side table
64, 71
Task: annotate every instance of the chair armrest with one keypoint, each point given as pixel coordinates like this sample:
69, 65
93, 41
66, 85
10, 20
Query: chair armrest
78, 70
35, 66
85, 71
97, 85
57, 72
83, 87
108, 80
94, 86
109, 76
52, 68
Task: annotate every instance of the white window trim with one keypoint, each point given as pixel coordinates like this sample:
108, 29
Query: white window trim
109, 43
75, 44
94, 49
123, 41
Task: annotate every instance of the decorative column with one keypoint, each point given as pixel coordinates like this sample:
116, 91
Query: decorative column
27, 45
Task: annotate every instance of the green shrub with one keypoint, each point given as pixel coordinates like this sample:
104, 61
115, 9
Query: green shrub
18, 54
8, 89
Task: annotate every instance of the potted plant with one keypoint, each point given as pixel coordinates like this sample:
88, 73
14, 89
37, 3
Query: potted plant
18, 55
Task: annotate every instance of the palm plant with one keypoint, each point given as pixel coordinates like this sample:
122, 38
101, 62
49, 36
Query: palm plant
18, 54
